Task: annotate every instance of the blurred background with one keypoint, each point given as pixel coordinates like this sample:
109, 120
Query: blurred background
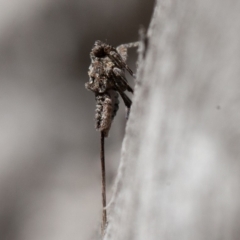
49, 157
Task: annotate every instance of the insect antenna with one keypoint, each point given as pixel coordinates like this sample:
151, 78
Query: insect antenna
104, 211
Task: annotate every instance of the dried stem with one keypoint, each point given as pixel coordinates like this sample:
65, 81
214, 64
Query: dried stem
104, 211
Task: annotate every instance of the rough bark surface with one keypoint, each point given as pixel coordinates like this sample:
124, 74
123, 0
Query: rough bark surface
179, 176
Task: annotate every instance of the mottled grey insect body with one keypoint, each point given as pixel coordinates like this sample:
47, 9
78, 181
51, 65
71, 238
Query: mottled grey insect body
106, 80
107, 105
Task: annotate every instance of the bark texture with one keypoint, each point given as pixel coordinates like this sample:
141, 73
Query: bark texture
179, 176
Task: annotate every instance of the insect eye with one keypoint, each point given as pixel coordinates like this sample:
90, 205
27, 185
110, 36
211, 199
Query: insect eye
99, 52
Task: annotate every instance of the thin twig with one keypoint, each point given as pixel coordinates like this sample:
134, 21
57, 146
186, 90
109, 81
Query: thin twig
104, 211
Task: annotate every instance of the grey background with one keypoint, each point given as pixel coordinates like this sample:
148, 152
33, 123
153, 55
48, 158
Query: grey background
49, 160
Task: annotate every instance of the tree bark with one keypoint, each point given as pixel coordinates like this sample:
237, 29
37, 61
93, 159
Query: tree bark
179, 176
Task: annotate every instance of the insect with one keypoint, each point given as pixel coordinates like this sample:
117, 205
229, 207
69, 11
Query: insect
107, 80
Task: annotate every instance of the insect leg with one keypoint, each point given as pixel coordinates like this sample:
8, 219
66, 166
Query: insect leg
117, 59
121, 80
129, 45
127, 101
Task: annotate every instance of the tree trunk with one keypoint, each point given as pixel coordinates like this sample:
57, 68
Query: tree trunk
179, 176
